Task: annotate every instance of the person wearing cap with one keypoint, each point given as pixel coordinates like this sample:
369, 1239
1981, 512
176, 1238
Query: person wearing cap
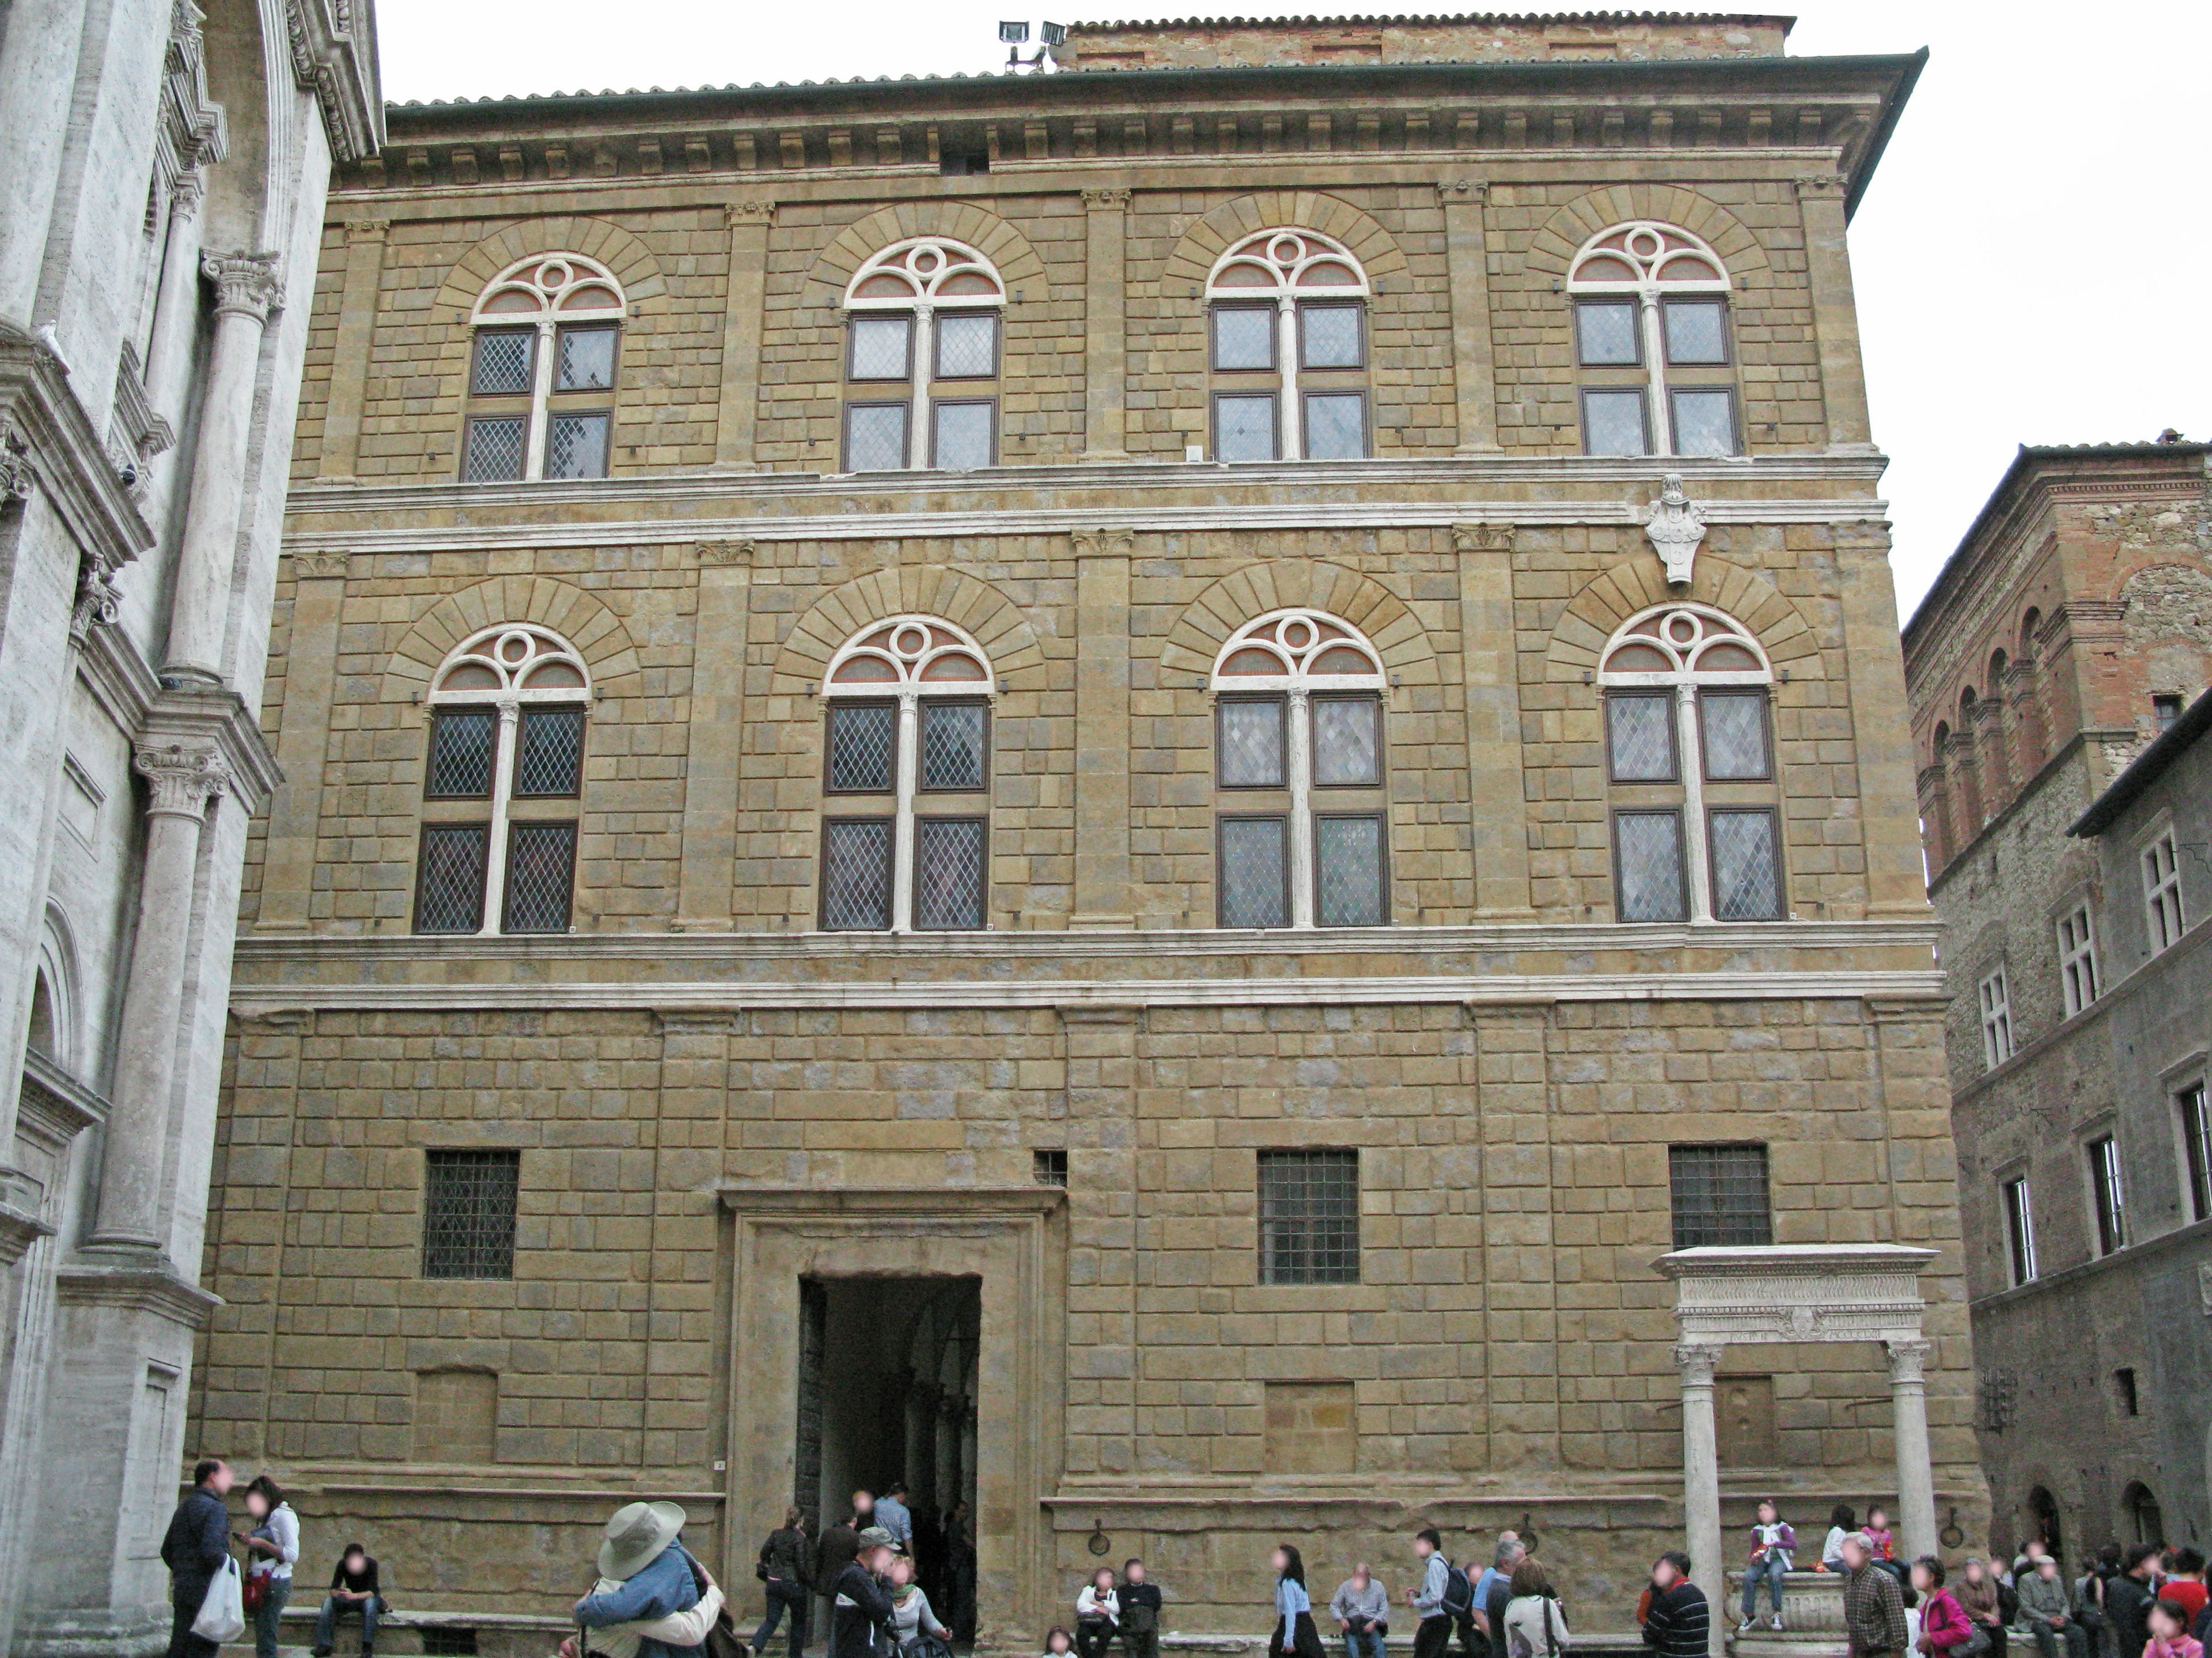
651, 1575
860, 1600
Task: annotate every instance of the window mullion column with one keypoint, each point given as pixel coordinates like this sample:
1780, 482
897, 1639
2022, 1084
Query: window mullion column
502, 793
541, 389
1300, 771
910, 722
1655, 353
1291, 423
1693, 802
925, 362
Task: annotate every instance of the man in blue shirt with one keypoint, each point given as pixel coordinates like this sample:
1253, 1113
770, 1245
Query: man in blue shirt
895, 1517
640, 1552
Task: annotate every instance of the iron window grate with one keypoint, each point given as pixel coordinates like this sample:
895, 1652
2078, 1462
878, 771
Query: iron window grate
541, 877
445, 1641
1720, 1195
468, 1213
1310, 1216
462, 744
548, 753
450, 878
1050, 1167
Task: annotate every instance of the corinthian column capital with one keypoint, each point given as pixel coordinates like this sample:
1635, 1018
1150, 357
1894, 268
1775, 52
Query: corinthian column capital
246, 283
184, 779
1696, 1363
1908, 1361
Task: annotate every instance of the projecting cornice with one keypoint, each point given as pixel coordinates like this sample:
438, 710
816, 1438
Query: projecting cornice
334, 56
47, 443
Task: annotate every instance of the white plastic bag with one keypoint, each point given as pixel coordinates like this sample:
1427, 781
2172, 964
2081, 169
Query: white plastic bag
222, 1614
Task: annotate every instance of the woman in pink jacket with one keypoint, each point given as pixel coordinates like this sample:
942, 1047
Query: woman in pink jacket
1946, 1631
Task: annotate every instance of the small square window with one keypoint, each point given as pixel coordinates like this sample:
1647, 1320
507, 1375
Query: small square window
1248, 742
1613, 422
1607, 334
1734, 730
1255, 873
495, 450
1050, 1168
1350, 870
964, 437
449, 879
1720, 1196
967, 345
881, 349
1331, 336
1336, 425
856, 875
548, 754
506, 360
1244, 427
1696, 332
462, 744
469, 1201
1639, 737
587, 360
1310, 1216
955, 748
1647, 856
1347, 742
576, 447
875, 437
1746, 854
863, 747
2164, 712
1704, 420
541, 877
1243, 338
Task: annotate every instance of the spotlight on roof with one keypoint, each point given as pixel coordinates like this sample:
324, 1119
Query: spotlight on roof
1054, 34
1014, 34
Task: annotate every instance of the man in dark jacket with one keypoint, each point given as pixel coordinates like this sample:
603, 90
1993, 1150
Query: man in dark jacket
2129, 1598
834, 1551
860, 1599
1679, 1623
1874, 1605
786, 1563
198, 1544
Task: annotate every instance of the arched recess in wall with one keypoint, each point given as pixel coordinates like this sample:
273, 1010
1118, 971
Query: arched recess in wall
1194, 642
55, 1022
995, 622
1008, 250
1638, 584
599, 635
1563, 235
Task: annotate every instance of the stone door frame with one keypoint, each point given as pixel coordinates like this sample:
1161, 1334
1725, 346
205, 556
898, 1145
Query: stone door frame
1790, 1293
1014, 1240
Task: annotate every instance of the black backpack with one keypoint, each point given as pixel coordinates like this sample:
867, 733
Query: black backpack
1459, 1591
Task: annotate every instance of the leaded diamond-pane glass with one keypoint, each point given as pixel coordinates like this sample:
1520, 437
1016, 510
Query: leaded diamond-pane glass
1332, 335
1735, 734
495, 450
541, 877
950, 857
450, 883
1348, 871
468, 1213
587, 362
1244, 427
863, 747
1696, 332
1310, 1216
880, 346
1605, 333
952, 755
875, 437
1243, 337
1251, 743
856, 875
967, 345
1639, 733
462, 743
1347, 742
1648, 852
548, 753
963, 438
1704, 422
1746, 866
1720, 1196
576, 447
504, 359
1254, 861
1336, 426
1612, 423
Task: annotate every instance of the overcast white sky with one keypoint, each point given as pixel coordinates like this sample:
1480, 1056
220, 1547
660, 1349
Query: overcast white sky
2033, 261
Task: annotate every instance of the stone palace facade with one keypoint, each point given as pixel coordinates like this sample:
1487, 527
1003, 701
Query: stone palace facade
1109, 790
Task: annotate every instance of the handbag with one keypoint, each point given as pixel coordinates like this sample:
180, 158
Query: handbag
222, 1614
253, 1593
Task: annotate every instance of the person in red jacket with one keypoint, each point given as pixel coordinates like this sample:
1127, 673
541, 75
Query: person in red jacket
1945, 1628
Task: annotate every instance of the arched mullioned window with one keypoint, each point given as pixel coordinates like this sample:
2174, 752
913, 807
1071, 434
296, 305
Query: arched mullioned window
1653, 345
923, 324
1697, 832
504, 785
1287, 321
906, 838
541, 371
1302, 824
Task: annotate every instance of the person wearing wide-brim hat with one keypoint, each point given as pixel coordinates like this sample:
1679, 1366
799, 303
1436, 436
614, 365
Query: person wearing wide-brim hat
860, 1605
645, 1576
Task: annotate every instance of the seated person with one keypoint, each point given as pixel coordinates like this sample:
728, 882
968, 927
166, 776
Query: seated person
353, 1591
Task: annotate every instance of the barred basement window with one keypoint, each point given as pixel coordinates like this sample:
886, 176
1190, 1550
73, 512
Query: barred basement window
1720, 1195
1050, 1167
468, 1213
924, 319
1652, 341
1310, 1216
541, 371
1287, 321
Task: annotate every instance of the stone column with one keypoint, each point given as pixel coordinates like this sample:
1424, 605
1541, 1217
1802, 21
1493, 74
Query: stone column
288, 865
1915, 1478
1473, 367
357, 302
38, 78
715, 744
1498, 828
1835, 314
1875, 663
1701, 1484
247, 290
739, 411
1104, 900
184, 780
1106, 345
176, 302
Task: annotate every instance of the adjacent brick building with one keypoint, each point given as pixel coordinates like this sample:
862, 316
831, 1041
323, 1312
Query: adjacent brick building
2073, 627
948, 815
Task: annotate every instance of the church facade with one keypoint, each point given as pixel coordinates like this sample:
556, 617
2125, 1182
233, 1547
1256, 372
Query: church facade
1107, 791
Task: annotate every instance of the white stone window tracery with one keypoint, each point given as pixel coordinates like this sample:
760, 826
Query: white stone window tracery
1690, 755
907, 779
503, 784
925, 335
1286, 322
1302, 836
541, 367
1653, 342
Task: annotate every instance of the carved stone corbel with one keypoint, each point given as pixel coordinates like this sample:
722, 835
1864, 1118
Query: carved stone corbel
99, 601
16, 476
